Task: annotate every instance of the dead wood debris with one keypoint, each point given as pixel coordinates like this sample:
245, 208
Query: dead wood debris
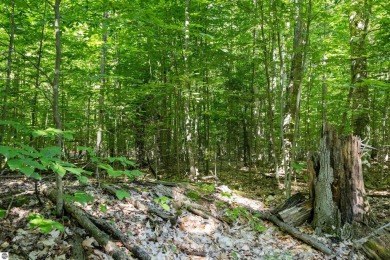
101, 237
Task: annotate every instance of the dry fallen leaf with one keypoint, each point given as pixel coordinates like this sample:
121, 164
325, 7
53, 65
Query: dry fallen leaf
88, 242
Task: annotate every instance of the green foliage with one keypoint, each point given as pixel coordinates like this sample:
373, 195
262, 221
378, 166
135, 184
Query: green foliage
121, 194
103, 208
3, 212
234, 255
29, 161
80, 197
122, 160
163, 202
226, 194
208, 188
220, 204
52, 133
298, 167
193, 195
242, 214
45, 225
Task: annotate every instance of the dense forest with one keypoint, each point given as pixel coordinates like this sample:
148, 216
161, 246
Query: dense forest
190, 89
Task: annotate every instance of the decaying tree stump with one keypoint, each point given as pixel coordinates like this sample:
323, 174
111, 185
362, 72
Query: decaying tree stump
337, 185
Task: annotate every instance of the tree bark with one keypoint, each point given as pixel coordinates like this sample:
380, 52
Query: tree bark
101, 237
56, 113
358, 24
9, 71
339, 194
99, 134
291, 115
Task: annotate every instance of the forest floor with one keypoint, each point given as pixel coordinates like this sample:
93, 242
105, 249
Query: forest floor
201, 220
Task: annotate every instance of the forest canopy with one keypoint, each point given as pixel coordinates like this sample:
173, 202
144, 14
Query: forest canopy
200, 83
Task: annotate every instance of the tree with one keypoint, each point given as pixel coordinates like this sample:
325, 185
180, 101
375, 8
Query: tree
56, 112
294, 90
4, 106
358, 27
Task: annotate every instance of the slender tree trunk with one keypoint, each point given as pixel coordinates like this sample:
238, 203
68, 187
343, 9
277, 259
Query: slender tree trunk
56, 112
37, 78
99, 135
283, 80
189, 121
358, 24
291, 116
4, 107
270, 99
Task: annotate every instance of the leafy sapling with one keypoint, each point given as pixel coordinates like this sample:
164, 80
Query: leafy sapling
44, 225
163, 202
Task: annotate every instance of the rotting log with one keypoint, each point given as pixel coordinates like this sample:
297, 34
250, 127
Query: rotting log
101, 237
150, 207
296, 233
290, 202
113, 231
297, 214
77, 249
377, 244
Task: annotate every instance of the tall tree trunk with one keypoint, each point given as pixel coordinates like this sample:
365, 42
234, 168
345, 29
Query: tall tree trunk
270, 114
358, 24
291, 115
99, 134
37, 77
189, 121
283, 80
56, 112
9, 71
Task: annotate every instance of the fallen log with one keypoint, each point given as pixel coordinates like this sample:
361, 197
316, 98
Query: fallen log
377, 244
297, 214
101, 237
112, 230
296, 233
290, 202
311, 241
77, 249
150, 208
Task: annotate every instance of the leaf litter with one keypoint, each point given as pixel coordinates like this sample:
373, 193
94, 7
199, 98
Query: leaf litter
190, 236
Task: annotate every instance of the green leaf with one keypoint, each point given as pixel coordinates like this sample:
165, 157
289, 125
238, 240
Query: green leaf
103, 208
26, 170
120, 194
45, 225
6, 152
76, 171
166, 207
38, 133
162, 201
82, 179
90, 150
133, 173
14, 164
57, 168
3, 212
67, 135
105, 166
36, 176
51, 151
122, 160
80, 197
114, 173
25, 163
